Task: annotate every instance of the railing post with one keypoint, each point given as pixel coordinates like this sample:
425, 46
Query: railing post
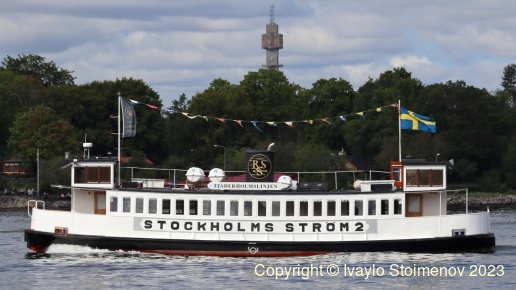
336, 187
467, 201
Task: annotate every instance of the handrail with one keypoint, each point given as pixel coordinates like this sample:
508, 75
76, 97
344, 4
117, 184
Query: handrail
36, 205
284, 172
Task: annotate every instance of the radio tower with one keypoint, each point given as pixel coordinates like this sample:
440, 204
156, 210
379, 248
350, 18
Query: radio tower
272, 42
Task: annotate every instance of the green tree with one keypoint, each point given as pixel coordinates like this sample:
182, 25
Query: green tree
50, 172
30, 92
48, 72
269, 96
88, 111
8, 106
474, 125
509, 82
40, 127
374, 135
327, 98
88, 108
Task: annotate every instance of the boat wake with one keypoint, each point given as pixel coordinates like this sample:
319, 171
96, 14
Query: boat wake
73, 249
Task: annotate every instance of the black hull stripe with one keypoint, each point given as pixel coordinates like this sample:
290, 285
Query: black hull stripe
40, 241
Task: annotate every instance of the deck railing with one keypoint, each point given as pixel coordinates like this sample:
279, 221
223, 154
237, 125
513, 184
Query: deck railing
344, 178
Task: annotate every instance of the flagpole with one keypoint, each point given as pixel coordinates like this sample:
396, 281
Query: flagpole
119, 136
399, 127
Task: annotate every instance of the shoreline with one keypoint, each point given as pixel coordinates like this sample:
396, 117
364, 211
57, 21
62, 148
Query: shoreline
482, 200
18, 202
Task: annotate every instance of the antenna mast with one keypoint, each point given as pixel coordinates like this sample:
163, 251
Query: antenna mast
272, 14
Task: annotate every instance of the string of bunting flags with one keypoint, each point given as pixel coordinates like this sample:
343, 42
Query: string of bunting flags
410, 120
137, 103
327, 120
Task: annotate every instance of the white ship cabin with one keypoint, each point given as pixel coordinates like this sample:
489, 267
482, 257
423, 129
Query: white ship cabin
424, 184
417, 189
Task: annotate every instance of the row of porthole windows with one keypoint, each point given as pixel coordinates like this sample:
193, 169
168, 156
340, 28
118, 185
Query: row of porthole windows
259, 207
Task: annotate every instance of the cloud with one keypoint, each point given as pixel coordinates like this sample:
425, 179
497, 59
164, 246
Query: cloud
181, 46
409, 61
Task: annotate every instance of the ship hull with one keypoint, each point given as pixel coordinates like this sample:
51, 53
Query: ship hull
40, 241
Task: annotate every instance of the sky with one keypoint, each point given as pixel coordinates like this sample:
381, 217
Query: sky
179, 47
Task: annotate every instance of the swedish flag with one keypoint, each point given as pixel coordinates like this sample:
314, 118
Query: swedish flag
414, 121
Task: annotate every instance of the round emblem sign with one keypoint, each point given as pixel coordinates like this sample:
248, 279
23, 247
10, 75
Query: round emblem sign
129, 112
259, 166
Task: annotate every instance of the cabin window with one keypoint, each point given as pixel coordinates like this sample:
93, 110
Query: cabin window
93, 174
126, 204
413, 206
180, 206
221, 206
193, 207
262, 208
411, 177
233, 208
317, 208
397, 206
248, 208
330, 208
289, 208
396, 173
104, 174
384, 206
344, 207
153, 205
276, 208
424, 177
113, 204
303, 208
165, 206
359, 207
79, 174
414, 203
206, 207
139, 205
371, 207
437, 177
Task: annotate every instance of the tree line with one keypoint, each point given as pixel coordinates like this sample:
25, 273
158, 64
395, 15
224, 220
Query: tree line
42, 108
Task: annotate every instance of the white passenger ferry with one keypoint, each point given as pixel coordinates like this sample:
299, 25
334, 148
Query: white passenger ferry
260, 217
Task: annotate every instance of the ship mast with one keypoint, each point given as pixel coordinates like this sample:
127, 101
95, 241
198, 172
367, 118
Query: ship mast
119, 137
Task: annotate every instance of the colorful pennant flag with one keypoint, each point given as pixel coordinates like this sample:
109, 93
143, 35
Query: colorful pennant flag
254, 124
190, 117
